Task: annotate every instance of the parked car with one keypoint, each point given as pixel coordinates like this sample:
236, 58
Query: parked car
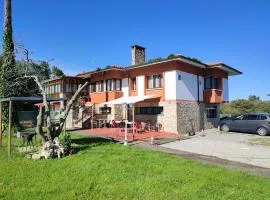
253, 122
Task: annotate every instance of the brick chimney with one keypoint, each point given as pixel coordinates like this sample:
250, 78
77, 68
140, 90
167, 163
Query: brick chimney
137, 55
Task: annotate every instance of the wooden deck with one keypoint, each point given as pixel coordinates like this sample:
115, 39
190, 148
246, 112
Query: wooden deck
119, 134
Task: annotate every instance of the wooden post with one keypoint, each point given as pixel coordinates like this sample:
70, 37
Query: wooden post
92, 119
1, 123
9, 127
133, 116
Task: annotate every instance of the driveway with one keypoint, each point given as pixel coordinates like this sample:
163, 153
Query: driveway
239, 147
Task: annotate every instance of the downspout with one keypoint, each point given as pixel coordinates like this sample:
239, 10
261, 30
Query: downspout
198, 88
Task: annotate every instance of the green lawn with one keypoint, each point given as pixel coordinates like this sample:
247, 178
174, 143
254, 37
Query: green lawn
104, 170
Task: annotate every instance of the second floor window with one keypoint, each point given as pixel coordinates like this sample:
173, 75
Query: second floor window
109, 85
133, 84
154, 81
52, 89
118, 84
99, 86
210, 83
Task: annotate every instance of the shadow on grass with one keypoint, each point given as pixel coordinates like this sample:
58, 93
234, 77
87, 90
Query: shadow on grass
84, 143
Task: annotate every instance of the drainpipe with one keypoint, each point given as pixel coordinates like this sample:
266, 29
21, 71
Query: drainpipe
198, 88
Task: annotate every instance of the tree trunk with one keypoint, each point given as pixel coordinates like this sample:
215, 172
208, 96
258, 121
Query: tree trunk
53, 131
39, 129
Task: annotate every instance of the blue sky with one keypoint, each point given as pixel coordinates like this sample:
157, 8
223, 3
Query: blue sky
82, 35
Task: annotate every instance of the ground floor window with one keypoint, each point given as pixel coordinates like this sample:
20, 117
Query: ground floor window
211, 111
105, 110
149, 110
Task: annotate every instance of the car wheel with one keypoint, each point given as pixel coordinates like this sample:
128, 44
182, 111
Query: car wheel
262, 131
225, 127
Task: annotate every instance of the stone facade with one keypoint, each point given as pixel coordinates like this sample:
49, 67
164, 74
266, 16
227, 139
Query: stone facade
116, 112
191, 117
179, 117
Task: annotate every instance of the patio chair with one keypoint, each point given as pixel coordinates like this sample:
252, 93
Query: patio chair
122, 124
114, 124
157, 127
140, 127
94, 123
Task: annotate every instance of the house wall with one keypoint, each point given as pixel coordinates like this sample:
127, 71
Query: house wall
168, 118
141, 85
186, 86
125, 87
179, 117
191, 117
170, 78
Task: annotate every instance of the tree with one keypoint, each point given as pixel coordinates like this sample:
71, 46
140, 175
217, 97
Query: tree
28, 87
57, 71
240, 106
8, 71
253, 98
171, 56
155, 60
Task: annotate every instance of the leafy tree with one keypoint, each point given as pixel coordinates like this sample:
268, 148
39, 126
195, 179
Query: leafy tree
155, 60
194, 59
171, 56
239, 106
28, 87
57, 71
253, 98
8, 72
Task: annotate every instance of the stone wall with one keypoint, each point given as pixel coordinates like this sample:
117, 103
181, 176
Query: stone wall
168, 118
192, 117
116, 112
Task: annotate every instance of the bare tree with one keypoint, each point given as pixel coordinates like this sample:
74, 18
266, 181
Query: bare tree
53, 130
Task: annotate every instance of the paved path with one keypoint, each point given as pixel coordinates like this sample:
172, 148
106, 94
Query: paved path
234, 147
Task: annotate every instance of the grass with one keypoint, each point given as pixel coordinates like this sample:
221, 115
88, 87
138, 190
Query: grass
105, 170
265, 141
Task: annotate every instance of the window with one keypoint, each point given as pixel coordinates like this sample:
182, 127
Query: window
93, 87
154, 81
109, 85
118, 85
149, 110
99, 86
105, 110
211, 112
157, 81
210, 83
263, 117
57, 88
113, 84
134, 84
250, 117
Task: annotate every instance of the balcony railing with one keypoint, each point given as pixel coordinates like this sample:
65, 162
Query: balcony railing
212, 96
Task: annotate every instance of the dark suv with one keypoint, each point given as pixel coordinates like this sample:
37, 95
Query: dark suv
253, 122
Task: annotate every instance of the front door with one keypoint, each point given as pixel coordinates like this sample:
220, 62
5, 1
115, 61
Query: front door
237, 123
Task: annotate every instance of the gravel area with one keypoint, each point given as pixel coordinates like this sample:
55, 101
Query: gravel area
240, 147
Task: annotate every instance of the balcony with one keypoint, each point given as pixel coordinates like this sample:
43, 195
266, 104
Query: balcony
101, 97
212, 96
